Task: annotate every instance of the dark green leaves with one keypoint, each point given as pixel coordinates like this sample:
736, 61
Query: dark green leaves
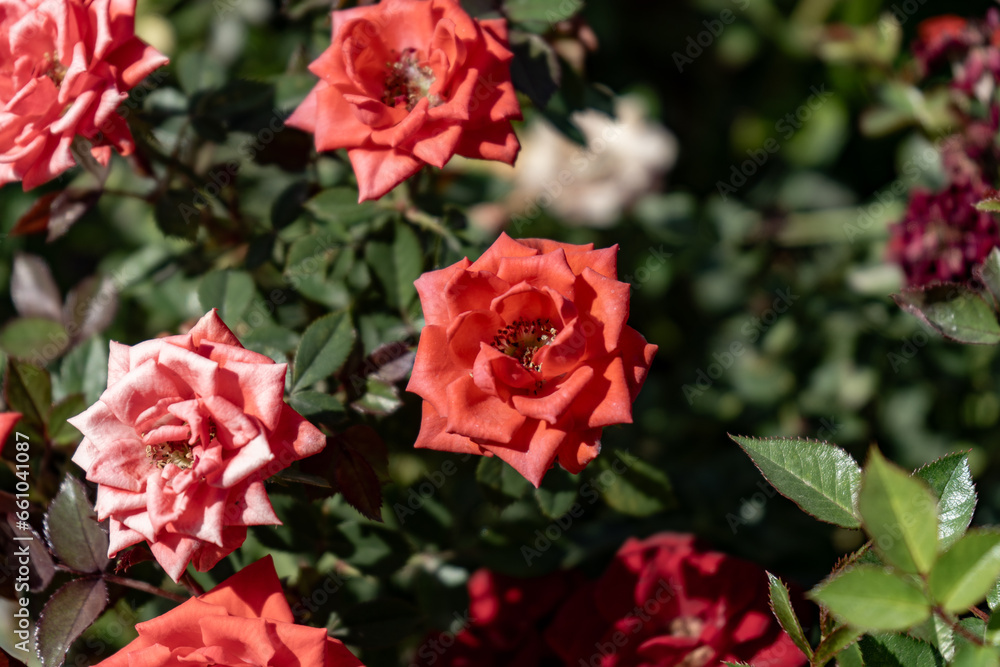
631, 486
955, 311
324, 348
229, 291
70, 611
72, 530
900, 515
500, 483
340, 205
820, 478
871, 598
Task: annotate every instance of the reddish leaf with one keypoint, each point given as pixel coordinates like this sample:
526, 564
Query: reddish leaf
55, 212
140, 553
365, 441
70, 611
12, 539
358, 482
73, 531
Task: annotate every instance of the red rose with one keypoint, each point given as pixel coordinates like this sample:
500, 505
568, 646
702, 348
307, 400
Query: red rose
65, 66
666, 602
526, 354
504, 626
408, 83
245, 620
7, 422
182, 440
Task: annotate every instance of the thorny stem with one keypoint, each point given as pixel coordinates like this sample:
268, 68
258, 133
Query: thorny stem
128, 583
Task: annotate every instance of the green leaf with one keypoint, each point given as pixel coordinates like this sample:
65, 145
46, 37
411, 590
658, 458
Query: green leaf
951, 481
380, 398
955, 311
900, 514
850, 657
323, 350
988, 273
37, 339
835, 643
535, 69
72, 530
886, 650
176, 214
61, 431
993, 597
229, 291
966, 572
397, 265
309, 403
557, 494
990, 205
971, 655
71, 610
340, 205
541, 12
197, 71
819, 477
500, 483
28, 389
872, 598
84, 370
992, 633
380, 623
372, 547
781, 606
631, 486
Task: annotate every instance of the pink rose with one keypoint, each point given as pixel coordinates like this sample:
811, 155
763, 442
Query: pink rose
182, 440
65, 66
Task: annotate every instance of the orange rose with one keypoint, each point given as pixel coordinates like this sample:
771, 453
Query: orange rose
7, 422
245, 620
65, 66
408, 83
526, 354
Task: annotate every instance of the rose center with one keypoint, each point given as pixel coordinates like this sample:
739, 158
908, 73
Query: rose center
176, 453
690, 627
522, 338
407, 82
54, 69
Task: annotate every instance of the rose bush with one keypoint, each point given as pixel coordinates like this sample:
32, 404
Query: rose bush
182, 439
245, 620
526, 355
65, 66
667, 602
407, 83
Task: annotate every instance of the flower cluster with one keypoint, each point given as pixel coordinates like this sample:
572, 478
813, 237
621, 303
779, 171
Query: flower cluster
245, 620
409, 83
943, 236
662, 602
65, 66
182, 440
526, 354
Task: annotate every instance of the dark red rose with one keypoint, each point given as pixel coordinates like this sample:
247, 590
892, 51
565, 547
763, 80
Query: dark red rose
667, 602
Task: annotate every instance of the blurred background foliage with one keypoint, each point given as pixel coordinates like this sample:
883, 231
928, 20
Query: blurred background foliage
770, 301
